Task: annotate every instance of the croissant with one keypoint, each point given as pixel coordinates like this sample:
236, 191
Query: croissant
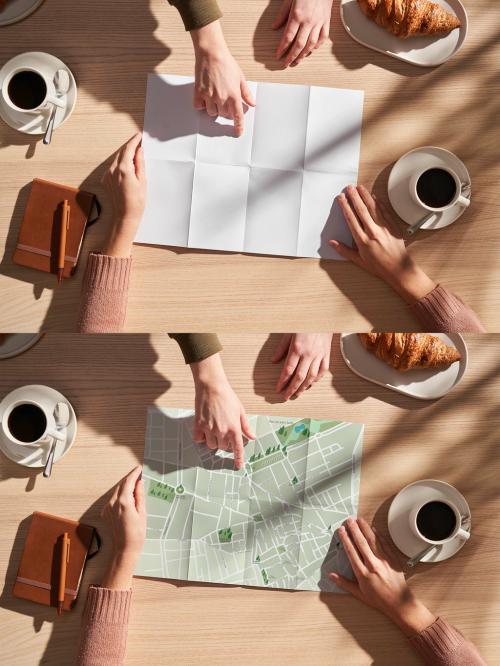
410, 351
410, 18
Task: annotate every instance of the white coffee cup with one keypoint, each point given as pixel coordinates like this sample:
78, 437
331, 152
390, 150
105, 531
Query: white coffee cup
457, 199
50, 431
50, 98
458, 531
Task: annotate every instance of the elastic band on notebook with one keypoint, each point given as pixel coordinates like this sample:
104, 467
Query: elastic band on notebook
44, 586
44, 253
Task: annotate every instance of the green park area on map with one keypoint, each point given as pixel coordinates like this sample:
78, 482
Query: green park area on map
271, 524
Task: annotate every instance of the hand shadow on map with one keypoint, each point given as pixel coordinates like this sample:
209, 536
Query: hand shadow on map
182, 490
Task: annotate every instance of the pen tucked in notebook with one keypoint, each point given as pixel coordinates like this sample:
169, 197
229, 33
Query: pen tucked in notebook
39, 241
39, 574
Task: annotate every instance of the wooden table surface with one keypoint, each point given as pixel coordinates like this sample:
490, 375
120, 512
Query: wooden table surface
111, 48
111, 380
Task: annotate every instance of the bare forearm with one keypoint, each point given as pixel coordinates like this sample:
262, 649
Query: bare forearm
119, 573
121, 239
208, 39
411, 282
208, 371
412, 617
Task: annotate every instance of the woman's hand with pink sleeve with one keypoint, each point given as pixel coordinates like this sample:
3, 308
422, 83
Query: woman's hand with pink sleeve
379, 247
125, 181
125, 513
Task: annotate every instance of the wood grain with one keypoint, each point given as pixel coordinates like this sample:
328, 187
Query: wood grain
111, 50
110, 381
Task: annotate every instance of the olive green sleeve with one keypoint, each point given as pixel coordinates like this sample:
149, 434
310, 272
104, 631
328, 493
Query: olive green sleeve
197, 13
197, 346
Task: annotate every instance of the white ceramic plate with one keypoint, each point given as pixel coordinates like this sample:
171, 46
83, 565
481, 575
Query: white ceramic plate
36, 456
16, 343
36, 123
421, 51
17, 10
422, 384
398, 186
398, 518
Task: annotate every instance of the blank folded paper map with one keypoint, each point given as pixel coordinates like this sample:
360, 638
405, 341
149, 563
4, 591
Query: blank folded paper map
271, 524
270, 191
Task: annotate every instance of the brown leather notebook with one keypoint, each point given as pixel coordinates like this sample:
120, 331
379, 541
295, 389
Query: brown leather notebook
38, 575
37, 245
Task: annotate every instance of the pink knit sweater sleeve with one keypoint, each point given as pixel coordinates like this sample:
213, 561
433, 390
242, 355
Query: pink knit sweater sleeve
442, 311
443, 645
103, 638
103, 304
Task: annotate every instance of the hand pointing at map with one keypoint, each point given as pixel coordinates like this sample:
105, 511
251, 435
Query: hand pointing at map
220, 419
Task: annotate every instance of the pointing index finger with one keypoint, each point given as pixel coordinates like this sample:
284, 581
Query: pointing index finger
238, 116
238, 450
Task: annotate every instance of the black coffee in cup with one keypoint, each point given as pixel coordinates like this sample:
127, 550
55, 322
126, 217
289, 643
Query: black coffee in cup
436, 188
27, 422
27, 89
436, 521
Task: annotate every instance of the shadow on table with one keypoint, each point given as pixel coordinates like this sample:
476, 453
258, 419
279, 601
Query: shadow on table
354, 389
130, 363
266, 373
350, 387
366, 625
353, 55
349, 53
266, 40
62, 312
62, 643
120, 45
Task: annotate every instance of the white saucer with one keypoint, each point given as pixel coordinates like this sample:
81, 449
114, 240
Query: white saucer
36, 123
422, 51
398, 186
17, 343
17, 10
399, 521
428, 384
37, 456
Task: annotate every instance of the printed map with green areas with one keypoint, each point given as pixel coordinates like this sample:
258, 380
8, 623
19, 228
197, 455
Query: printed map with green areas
270, 524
